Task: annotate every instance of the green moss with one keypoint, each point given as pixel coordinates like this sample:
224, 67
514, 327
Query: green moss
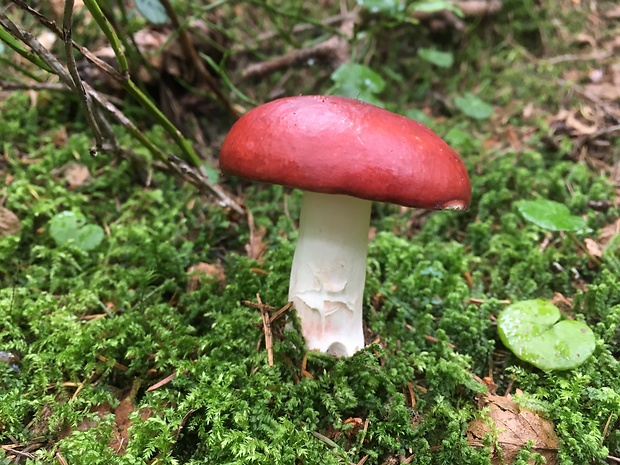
89, 327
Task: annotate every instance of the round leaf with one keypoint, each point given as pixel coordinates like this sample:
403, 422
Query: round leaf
551, 215
473, 106
358, 81
89, 237
530, 329
63, 226
152, 10
69, 226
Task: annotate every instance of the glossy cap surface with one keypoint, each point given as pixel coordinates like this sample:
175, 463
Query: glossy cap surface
338, 145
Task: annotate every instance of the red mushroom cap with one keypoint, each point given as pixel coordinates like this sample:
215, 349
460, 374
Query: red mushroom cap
338, 145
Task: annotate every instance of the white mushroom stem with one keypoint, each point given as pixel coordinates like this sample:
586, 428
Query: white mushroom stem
329, 271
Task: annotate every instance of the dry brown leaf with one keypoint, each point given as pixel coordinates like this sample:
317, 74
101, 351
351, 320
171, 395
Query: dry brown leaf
613, 13
76, 175
256, 247
562, 302
594, 248
60, 137
121, 433
197, 274
608, 233
9, 222
581, 128
511, 427
528, 110
604, 90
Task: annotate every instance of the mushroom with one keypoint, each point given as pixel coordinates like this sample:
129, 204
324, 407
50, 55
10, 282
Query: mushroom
344, 154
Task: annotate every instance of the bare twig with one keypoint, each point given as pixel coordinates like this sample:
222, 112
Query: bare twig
87, 104
199, 179
51, 25
51, 86
161, 383
571, 57
38, 49
194, 173
335, 49
281, 312
266, 329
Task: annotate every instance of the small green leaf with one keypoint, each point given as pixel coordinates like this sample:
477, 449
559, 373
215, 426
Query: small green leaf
152, 10
68, 227
530, 329
433, 6
418, 115
213, 175
550, 215
387, 7
89, 237
458, 138
358, 81
436, 57
473, 106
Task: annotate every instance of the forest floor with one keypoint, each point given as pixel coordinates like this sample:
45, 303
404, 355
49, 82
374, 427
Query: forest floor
130, 326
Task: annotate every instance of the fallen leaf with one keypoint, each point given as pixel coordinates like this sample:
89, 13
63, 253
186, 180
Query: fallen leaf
60, 137
608, 233
76, 175
581, 128
357, 424
604, 90
121, 433
528, 110
511, 427
562, 302
9, 222
256, 247
594, 248
197, 274
613, 13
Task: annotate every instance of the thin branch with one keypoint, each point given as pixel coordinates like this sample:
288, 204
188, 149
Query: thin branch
122, 76
266, 329
51, 86
51, 25
38, 49
571, 57
181, 167
198, 178
6, 37
77, 81
335, 49
110, 33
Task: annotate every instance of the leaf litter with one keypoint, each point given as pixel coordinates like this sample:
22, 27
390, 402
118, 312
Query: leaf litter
511, 428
